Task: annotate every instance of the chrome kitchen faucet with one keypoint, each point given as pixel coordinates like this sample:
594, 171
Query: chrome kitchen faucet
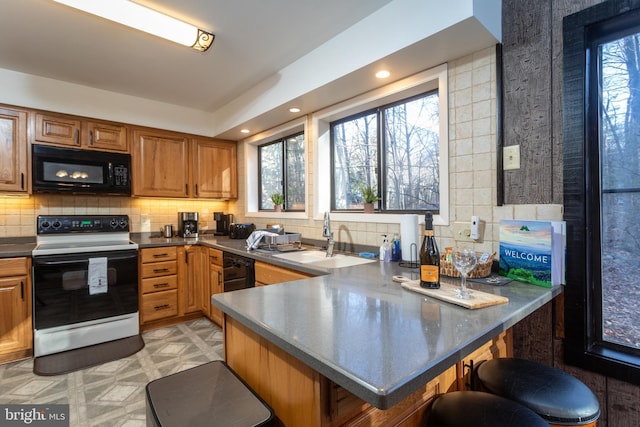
326, 232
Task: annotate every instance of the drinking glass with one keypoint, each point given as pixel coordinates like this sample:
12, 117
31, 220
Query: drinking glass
464, 260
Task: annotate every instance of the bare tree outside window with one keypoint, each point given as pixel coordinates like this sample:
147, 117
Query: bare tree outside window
394, 149
619, 140
281, 170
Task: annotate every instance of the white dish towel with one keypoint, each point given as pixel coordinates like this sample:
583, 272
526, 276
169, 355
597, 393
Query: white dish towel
97, 276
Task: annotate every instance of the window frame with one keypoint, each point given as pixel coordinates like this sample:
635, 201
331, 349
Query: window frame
584, 345
435, 78
284, 141
381, 157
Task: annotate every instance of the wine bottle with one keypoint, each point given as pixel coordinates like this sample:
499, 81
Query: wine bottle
429, 257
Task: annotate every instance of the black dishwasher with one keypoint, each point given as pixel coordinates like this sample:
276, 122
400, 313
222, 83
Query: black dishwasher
238, 272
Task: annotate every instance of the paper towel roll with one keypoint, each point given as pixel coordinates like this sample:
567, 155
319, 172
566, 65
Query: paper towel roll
409, 234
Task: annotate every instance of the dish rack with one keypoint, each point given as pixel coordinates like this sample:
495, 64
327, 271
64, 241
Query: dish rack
285, 242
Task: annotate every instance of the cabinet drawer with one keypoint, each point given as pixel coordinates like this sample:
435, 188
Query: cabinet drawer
159, 305
156, 269
268, 274
13, 267
164, 253
215, 256
156, 284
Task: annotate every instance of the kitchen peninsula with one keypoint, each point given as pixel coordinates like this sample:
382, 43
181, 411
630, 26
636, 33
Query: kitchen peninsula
355, 347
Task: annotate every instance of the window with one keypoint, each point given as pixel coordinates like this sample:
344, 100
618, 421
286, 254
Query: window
281, 170
602, 189
395, 150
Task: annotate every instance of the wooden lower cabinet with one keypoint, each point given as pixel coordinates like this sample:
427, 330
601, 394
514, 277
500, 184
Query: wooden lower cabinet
216, 286
501, 346
269, 274
195, 278
300, 395
16, 330
158, 272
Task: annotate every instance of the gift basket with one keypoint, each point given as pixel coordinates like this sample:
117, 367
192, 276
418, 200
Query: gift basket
482, 268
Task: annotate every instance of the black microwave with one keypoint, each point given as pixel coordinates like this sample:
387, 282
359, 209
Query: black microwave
72, 171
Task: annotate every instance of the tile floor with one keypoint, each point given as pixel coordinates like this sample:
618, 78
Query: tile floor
112, 394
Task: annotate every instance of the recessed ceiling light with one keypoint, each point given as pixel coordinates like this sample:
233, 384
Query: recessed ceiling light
294, 110
244, 130
383, 74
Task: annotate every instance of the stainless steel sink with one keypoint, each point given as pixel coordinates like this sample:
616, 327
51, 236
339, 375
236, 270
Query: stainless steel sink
319, 259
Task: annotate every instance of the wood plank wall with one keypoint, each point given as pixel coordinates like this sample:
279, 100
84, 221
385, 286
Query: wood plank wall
532, 96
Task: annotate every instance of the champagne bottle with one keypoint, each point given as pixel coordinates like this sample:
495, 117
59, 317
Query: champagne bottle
429, 257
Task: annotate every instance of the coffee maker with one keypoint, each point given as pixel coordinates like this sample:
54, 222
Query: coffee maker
222, 223
188, 224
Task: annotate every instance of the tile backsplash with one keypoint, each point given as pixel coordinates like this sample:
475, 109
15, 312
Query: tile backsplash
18, 214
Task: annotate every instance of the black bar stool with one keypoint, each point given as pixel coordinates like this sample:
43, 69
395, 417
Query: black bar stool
478, 409
207, 395
556, 396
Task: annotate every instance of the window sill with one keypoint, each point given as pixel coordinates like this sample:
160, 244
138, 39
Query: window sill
274, 214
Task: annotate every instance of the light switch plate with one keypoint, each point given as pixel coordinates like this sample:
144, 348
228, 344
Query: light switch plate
511, 157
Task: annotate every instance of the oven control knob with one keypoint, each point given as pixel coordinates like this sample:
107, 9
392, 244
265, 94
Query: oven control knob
123, 223
56, 224
45, 224
114, 223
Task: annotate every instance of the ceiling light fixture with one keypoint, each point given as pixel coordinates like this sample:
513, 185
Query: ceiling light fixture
383, 74
148, 20
245, 130
294, 110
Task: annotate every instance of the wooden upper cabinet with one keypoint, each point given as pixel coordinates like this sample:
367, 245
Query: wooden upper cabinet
106, 136
160, 164
13, 150
214, 169
70, 131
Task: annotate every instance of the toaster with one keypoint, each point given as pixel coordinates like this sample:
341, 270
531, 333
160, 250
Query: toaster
241, 231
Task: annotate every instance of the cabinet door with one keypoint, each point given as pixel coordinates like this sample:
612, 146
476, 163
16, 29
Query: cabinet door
57, 129
15, 324
196, 258
13, 150
501, 346
214, 169
106, 136
160, 164
216, 286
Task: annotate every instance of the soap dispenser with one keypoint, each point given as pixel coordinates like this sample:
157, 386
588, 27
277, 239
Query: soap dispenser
385, 249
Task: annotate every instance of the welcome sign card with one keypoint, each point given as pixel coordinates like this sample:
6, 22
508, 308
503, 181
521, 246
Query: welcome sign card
533, 251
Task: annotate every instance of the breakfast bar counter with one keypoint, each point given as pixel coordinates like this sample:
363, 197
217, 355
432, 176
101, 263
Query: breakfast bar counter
362, 332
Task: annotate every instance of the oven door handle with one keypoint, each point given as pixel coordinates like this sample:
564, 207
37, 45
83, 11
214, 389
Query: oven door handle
37, 261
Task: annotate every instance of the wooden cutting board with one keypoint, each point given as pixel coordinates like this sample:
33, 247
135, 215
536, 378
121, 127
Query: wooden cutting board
447, 292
